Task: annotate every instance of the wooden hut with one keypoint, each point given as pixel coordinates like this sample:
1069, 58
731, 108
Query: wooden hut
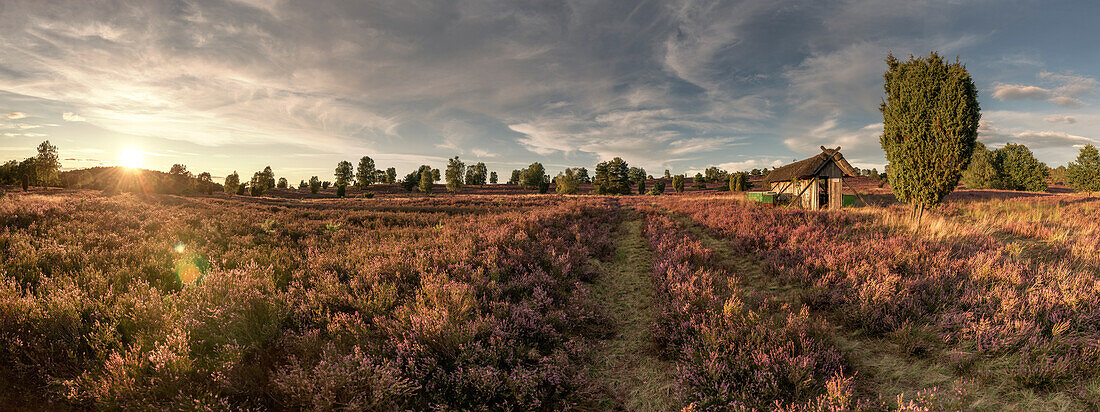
817, 181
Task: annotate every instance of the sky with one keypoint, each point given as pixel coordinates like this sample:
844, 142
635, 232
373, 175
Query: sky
681, 85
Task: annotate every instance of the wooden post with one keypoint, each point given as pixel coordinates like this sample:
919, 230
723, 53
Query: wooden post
814, 195
836, 193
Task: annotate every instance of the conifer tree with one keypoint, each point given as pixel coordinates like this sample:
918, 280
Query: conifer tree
981, 173
365, 173
427, 178
1084, 174
1019, 169
678, 183
930, 123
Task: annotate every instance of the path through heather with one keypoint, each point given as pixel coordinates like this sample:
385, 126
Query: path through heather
628, 363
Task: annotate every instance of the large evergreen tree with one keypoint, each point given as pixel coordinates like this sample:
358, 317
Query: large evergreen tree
366, 173
930, 123
981, 173
1084, 174
1019, 169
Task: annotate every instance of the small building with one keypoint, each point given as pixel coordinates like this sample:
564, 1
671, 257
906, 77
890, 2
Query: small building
818, 181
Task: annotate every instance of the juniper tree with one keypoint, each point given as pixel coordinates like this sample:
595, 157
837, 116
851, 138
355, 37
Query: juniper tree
314, 184
678, 183
366, 174
1084, 174
700, 181
930, 123
980, 173
1019, 169
427, 178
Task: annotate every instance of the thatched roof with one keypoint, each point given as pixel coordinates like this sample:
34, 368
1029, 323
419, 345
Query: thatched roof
808, 168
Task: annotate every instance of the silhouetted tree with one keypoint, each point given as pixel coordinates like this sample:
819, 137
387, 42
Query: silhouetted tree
612, 177
516, 176
314, 184
282, 183
180, 178
493, 178
47, 165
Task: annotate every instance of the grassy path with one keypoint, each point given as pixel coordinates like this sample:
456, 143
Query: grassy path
628, 363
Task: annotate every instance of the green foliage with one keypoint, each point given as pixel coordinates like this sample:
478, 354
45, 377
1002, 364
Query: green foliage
427, 179
47, 165
366, 174
1083, 175
283, 184
516, 175
341, 191
455, 173
678, 183
714, 174
612, 177
658, 188
391, 175
700, 181
544, 186
981, 173
930, 123
493, 178
582, 175
641, 187
231, 183
1019, 169
667, 174
262, 182
636, 175
343, 173
739, 182
314, 184
566, 183
533, 175
206, 183
477, 174
180, 179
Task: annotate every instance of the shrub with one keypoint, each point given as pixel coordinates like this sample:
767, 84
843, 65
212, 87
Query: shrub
700, 181
982, 172
314, 184
231, 183
341, 191
1084, 174
678, 183
1020, 170
368, 195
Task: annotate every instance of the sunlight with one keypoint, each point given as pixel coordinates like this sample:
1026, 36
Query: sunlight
131, 157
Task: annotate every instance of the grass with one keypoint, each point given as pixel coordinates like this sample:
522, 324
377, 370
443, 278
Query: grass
627, 362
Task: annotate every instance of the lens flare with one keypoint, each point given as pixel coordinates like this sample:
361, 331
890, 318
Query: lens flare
131, 157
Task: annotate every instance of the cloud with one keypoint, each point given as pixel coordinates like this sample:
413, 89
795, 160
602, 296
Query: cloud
16, 115
71, 117
1066, 92
1060, 118
1010, 92
992, 135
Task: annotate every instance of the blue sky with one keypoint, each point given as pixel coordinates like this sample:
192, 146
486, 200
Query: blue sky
681, 85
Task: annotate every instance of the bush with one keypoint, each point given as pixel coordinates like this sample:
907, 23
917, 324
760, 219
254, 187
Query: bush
341, 191
982, 172
700, 181
1020, 170
658, 188
678, 183
368, 195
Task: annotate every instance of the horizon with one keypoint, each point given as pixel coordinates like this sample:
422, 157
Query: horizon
240, 85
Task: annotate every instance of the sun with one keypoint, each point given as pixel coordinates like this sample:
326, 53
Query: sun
131, 157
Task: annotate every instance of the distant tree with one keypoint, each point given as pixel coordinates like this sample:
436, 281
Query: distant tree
533, 176
325, 184
257, 187
980, 173
456, 170
930, 123
343, 173
493, 178
411, 181
739, 182
667, 174
700, 181
567, 182
391, 175
206, 183
1019, 169
714, 174
47, 165
341, 191
641, 187
582, 175
427, 178
477, 174
435, 175
28, 173
612, 177
268, 179
302, 185
9, 172
282, 183
314, 184
544, 185
636, 174
658, 188
516, 175
232, 182
678, 183
755, 172
1058, 175
366, 173
180, 179
1083, 174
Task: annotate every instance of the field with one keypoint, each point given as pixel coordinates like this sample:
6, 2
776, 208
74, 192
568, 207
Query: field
501, 299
